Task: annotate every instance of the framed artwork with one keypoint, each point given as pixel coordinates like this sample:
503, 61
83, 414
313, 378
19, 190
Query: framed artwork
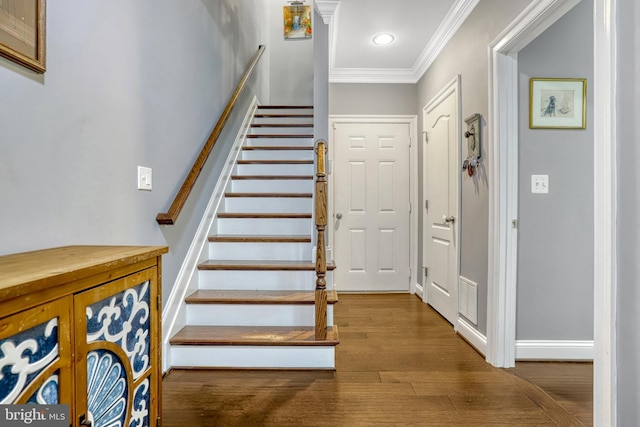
297, 21
22, 32
557, 103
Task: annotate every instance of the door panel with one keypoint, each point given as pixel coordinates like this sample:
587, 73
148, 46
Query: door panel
371, 183
441, 189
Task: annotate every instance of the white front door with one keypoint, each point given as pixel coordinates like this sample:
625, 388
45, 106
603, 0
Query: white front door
371, 206
440, 247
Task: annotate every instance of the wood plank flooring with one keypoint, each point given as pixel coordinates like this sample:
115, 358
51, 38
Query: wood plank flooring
398, 364
570, 384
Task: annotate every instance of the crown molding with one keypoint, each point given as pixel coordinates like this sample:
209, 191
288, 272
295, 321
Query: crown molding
372, 75
326, 9
460, 10
451, 23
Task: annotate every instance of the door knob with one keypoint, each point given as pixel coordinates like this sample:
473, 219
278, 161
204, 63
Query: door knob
339, 215
448, 219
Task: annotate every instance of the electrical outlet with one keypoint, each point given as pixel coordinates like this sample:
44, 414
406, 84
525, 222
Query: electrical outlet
144, 178
540, 184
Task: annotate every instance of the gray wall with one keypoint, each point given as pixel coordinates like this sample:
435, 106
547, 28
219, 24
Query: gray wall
466, 54
320, 78
372, 99
628, 236
127, 84
291, 61
555, 230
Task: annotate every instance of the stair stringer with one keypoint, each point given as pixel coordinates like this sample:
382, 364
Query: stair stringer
174, 316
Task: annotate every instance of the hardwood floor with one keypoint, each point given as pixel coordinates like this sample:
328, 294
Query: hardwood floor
398, 364
570, 384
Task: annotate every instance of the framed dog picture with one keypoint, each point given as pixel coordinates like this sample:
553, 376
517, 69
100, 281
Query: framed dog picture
557, 103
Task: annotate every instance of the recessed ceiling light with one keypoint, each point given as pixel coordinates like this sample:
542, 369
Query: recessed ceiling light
383, 39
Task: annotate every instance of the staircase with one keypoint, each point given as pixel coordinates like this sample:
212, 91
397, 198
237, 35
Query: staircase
254, 306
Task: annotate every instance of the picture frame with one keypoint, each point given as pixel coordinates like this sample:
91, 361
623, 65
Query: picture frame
557, 103
297, 21
22, 33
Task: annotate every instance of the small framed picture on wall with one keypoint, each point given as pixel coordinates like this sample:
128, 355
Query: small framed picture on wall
557, 103
297, 21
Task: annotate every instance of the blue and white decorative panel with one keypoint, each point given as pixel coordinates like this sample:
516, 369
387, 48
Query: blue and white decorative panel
107, 389
47, 394
24, 356
140, 411
123, 319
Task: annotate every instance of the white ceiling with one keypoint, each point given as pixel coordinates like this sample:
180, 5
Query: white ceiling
421, 29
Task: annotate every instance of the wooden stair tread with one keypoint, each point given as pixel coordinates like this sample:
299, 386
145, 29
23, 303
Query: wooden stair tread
275, 162
253, 335
267, 177
261, 265
300, 195
277, 147
279, 116
264, 215
282, 125
285, 107
209, 296
232, 238
283, 135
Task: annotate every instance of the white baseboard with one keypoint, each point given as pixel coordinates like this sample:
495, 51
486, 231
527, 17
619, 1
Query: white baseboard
472, 336
554, 350
174, 314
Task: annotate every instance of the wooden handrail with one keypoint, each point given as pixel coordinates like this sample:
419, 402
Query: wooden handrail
321, 254
171, 215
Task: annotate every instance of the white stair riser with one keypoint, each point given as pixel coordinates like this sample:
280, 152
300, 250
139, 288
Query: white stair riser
303, 357
260, 280
279, 142
268, 204
260, 251
277, 155
281, 130
272, 185
296, 110
274, 169
282, 120
273, 226
254, 315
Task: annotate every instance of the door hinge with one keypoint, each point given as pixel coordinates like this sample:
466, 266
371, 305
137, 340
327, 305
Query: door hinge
514, 223
409, 273
409, 141
426, 136
426, 204
426, 272
410, 207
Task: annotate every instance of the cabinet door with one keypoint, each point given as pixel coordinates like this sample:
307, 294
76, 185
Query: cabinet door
35, 355
117, 354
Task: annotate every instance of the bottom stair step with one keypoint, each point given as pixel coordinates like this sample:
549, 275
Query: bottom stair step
252, 336
252, 347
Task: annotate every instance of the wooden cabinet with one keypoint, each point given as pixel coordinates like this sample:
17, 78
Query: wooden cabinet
80, 325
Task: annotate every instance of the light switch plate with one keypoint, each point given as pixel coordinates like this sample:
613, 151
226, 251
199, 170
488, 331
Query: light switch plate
540, 184
144, 178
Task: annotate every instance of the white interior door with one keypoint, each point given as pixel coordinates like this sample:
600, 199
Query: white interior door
441, 123
371, 207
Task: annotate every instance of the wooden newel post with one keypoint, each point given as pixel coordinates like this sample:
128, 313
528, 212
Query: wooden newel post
321, 257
